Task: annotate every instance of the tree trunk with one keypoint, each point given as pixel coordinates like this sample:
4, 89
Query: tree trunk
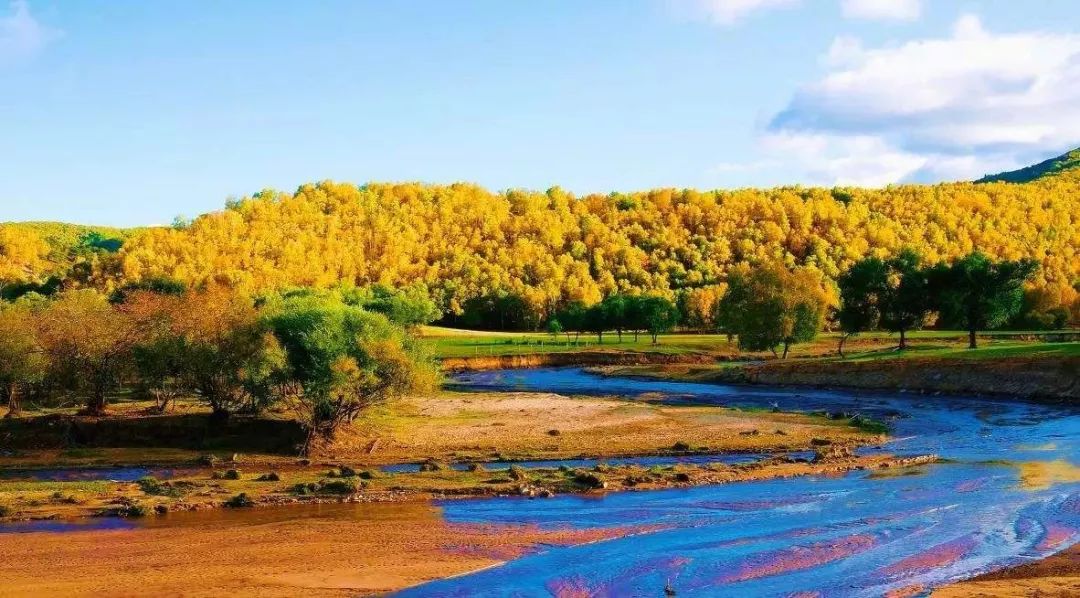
95, 405
903, 339
599, 338
654, 335
619, 332
635, 336
840, 349
14, 407
971, 339
786, 346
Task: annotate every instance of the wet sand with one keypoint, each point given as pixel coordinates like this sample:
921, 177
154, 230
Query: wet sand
338, 550
1058, 575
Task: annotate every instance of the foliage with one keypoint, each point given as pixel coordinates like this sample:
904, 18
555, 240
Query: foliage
1063, 163
977, 293
22, 362
861, 288
905, 298
521, 256
772, 306
656, 315
343, 360
90, 342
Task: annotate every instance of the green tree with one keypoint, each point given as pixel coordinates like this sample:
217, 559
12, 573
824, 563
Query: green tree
22, 362
978, 293
658, 314
554, 328
229, 356
573, 317
409, 306
772, 306
616, 308
861, 289
342, 360
905, 301
596, 321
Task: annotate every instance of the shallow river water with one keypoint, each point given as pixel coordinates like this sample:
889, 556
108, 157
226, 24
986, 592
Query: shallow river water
1000, 499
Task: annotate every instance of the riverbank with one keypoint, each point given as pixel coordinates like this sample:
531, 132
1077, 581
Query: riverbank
462, 445
330, 550
1052, 377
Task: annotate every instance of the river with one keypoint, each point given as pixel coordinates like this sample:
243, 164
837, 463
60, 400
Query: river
1002, 496
998, 500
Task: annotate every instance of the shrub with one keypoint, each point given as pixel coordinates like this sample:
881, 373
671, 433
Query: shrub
151, 485
346, 472
338, 487
589, 480
269, 477
680, 446
240, 500
517, 473
232, 474
5, 510
133, 510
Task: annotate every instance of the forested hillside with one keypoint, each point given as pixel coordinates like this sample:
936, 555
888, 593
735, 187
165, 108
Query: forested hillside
548, 248
1069, 161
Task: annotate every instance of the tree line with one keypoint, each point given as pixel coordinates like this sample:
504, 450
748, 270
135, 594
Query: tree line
326, 356
771, 308
517, 257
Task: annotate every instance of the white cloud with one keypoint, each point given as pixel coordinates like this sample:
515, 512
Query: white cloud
21, 35
955, 107
729, 12
885, 10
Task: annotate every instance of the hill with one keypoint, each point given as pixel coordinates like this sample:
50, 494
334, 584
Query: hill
62, 237
1065, 162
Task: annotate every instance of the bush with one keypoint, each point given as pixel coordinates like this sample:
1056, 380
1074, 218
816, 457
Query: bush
680, 446
5, 510
269, 477
239, 501
517, 473
232, 474
589, 480
346, 472
151, 485
133, 510
338, 487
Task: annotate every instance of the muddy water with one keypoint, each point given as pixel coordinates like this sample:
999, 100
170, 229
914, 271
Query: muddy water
1009, 494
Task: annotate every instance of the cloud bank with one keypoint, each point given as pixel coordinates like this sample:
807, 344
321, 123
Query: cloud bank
955, 107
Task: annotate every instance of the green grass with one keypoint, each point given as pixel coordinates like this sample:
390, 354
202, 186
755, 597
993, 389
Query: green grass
450, 343
990, 350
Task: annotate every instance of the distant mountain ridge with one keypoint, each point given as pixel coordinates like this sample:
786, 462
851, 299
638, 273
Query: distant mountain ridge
1054, 166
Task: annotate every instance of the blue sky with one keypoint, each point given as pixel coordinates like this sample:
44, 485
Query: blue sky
131, 112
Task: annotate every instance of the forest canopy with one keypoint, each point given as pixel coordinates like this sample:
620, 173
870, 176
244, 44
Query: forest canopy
547, 249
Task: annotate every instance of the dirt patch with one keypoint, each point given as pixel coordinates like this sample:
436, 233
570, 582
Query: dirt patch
490, 426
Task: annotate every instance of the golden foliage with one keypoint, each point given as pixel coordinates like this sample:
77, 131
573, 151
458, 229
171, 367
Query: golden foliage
463, 241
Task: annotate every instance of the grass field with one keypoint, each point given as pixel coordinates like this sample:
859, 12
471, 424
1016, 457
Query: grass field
450, 343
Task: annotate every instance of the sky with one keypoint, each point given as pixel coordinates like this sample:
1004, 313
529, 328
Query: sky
130, 112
